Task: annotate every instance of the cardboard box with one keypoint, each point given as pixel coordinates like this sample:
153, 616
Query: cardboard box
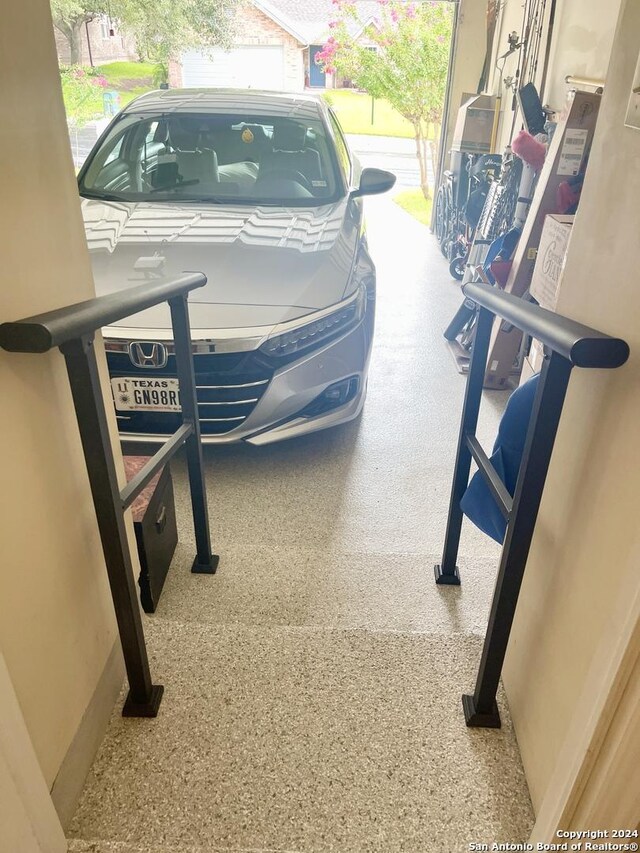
571, 140
528, 371
547, 275
567, 154
533, 362
550, 261
503, 352
474, 126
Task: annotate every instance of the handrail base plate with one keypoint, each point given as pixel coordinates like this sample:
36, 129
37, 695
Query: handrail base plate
446, 579
205, 568
474, 719
144, 709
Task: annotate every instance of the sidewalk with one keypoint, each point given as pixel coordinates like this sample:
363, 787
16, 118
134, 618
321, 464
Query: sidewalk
395, 154
381, 144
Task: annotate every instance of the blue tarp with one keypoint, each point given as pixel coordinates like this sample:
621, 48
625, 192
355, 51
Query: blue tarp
478, 503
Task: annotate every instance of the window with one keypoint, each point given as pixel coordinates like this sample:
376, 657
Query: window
115, 152
341, 146
276, 160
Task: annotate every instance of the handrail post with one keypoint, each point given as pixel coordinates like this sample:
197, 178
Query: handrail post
82, 367
72, 329
481, 709
447, 572
567, 344
205, 562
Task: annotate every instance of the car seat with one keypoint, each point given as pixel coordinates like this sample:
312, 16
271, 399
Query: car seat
290, 152
196, 161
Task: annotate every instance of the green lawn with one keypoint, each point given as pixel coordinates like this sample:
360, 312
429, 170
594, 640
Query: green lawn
123, 74
414, 202
129, 79
353, 109
354, 113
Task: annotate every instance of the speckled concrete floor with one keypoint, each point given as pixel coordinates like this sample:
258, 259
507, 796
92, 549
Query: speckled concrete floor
313, 685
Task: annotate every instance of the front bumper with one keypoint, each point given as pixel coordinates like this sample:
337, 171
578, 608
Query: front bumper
282, 394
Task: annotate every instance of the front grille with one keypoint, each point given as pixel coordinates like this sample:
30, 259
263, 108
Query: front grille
229, 386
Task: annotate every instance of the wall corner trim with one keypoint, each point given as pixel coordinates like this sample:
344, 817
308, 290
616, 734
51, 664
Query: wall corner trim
69, 782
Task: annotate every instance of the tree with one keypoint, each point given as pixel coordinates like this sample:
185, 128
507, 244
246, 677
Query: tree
161, 28
164, 28
404, 60
69, 17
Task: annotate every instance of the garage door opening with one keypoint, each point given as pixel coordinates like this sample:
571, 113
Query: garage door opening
238, 68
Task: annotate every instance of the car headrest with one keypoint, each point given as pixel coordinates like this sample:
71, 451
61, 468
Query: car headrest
187, 133
289, 136
257, 132
162, 132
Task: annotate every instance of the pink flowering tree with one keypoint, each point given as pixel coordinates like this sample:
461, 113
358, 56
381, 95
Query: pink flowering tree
402, 55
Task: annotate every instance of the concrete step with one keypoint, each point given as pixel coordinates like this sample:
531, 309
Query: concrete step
77, 845
287, 587
306, 739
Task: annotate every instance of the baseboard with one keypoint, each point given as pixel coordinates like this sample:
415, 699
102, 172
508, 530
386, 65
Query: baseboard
76, 764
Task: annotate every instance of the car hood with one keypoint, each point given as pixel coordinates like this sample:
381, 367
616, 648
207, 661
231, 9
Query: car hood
264, 265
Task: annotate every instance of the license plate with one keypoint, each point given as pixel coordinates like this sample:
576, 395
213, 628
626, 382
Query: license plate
137, 394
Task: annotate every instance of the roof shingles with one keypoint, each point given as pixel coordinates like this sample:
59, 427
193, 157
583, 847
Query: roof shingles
310, 18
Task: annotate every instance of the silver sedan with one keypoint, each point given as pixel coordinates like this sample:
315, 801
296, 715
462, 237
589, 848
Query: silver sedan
260, 192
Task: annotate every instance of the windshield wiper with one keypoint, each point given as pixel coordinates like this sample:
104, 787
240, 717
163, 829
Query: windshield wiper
209, 199
100, 196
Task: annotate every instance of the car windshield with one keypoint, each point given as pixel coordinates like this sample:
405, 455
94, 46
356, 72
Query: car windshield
213, 158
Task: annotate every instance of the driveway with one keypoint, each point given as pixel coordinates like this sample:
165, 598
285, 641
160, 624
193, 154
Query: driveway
312, 686
391, 153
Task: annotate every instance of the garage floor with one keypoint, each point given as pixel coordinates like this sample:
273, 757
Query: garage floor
312, 687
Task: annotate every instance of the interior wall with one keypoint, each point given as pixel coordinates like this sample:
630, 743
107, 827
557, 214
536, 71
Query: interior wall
581, 45
57, 627
584, 552
610, 797
583, 38
28, 821
468, 59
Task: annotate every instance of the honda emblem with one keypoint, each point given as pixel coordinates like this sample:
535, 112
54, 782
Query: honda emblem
148, 354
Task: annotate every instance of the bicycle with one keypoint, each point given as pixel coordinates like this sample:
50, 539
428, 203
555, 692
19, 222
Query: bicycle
459, 203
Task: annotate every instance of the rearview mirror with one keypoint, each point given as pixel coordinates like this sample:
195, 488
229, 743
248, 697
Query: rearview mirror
374, 181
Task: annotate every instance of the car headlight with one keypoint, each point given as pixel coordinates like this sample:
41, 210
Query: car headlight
335, 321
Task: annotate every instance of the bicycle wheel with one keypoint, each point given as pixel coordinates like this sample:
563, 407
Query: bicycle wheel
508, 199
457, 267
441, 215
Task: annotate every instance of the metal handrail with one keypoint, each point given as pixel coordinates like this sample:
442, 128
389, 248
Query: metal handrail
567, 344
72, 329
54, 328
581, 345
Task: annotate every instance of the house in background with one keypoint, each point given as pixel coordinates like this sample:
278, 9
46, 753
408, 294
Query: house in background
101, 42
275, 48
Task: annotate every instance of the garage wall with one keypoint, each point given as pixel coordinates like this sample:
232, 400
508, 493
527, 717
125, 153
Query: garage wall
57, 629
582, 574
581, 45
468, 60
583, 38
256, 28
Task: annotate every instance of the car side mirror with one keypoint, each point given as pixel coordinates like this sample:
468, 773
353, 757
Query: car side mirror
374, 181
